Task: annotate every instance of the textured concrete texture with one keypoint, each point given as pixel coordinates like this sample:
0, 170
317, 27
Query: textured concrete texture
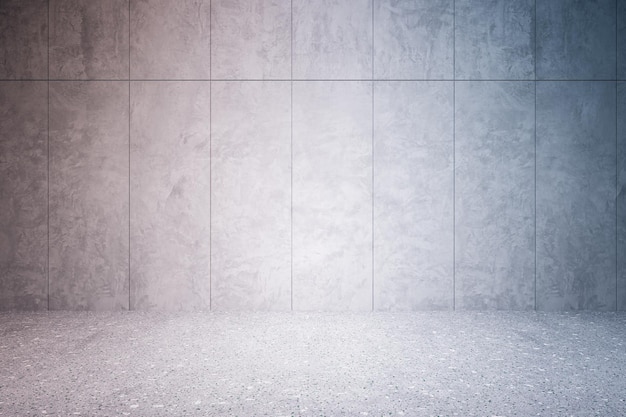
170, 39
576, 39
332, 39
23, 195
312, 154
413, 195
495, 195
322, 364
88, 202
89, 39
495, 40
621, 197
576, 195
413, 39
24, 39
251, 196
332, 195
170, 195
621, 39
251, 39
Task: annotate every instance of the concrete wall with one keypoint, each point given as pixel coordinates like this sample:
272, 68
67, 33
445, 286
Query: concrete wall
313, 154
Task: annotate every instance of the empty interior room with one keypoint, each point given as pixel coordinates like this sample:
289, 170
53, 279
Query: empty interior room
312, 207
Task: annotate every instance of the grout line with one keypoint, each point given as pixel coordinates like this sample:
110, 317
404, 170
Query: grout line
129, 156
454, 155
210, 157
300, 80
535, 157
291, 152
373, 60
48, 167
616, 157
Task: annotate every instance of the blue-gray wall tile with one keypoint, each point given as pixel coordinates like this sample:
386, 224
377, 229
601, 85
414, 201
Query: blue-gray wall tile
495, 39
23, 195
413, 39
24, 39
89, 39
332, 195
495, 201
575, 39
621, 196
621, 39
170, 39
576, 195
251, 196
251, 39
413, 195
170, 195
332, 39
89, 195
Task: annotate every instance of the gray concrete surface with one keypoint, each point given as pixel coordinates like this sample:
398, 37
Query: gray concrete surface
312, 364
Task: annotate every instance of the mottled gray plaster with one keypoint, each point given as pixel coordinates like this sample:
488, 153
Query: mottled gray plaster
23, 195
170, 195
495, 195
576, 39
89, 39
23, 39
621, 196
413, 39
332, 195
251, 196
413, 195
251, 39
89, 195
621, 39
495, 39
576, 195
332, 39
170, 39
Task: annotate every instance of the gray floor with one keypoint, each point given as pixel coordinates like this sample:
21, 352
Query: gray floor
312, 364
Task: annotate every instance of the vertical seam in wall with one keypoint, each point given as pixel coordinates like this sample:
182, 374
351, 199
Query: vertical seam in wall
454, 155
372, 86
48, 167
616, 159
291, 146
210, 156
535, 157
129, 151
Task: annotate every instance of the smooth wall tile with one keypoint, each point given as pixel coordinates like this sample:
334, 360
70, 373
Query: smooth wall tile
251, 196
89, 195
575, 39
621, 197
89, 39
332, 195
413, 195
413, 39
332, 39
23, 195
495, 195
170, 39
24, 39
251, 39
576, 195
495, 39
170, 195
621, 39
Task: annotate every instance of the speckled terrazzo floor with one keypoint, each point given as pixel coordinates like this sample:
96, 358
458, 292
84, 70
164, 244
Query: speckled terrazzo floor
312, 364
